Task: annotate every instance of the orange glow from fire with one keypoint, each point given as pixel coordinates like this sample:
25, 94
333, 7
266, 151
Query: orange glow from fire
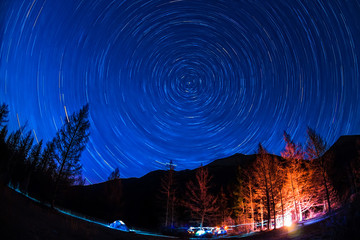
287, 221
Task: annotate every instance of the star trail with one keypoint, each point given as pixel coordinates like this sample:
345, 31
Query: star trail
183, 80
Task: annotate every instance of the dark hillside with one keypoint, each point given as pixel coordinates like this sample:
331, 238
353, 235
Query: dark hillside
345, 157
232, 161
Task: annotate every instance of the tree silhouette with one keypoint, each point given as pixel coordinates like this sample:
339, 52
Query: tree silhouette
262, 179
31, 163
70, 141
114, 174
12, 143
21, 146
316, 148
168, 189
4, 150
4, 112
223, 210
244, 199
275, 178
47, 164
199, 200
296, 176
114, 192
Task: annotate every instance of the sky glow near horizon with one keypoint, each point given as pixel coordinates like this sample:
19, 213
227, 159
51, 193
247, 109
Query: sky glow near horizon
188, 81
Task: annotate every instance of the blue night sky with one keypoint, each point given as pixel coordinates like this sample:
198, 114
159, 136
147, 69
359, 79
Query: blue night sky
183, 80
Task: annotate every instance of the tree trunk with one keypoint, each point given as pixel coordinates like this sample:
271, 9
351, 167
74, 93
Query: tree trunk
299, 205
282, 208
267, 202
262, 215
327, 192
167, 209
57, 184
251, 207
273, 200
294, 197
172, 209
243, 216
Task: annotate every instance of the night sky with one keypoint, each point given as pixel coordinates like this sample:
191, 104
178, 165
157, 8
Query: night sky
189, 81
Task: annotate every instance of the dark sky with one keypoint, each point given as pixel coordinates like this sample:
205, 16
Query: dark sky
189, 81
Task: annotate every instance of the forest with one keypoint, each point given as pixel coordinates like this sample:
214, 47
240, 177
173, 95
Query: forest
40, 169
270, 191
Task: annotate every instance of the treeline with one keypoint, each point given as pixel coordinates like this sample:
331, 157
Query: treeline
275, 191
270, 191
194, 201
40, 169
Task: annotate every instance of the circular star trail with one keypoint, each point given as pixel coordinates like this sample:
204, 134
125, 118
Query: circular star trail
188, 81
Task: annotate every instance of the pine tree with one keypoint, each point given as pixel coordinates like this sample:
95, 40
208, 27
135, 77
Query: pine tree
316, 148
223, 209
70, 141
239, 193
261, 176
245, 199
4, 112
114, 192
293, 154
47, 164
4, 150
3, 134
18, 159
31, 163
199, 200
114, 174
274, 180
12, 143
168, 189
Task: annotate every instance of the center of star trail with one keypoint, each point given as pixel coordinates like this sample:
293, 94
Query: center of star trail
188, 81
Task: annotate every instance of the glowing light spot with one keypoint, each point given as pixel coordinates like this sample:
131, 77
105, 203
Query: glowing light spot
287, 221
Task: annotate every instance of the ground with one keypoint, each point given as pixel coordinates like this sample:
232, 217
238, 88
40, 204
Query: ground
23, 218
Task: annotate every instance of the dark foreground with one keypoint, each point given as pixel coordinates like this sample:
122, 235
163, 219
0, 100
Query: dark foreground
22, 218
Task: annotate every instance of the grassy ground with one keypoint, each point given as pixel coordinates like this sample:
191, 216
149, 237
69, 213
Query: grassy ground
22, 218
314, 231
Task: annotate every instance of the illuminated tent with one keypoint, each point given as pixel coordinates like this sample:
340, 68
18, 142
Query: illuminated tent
120, 225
